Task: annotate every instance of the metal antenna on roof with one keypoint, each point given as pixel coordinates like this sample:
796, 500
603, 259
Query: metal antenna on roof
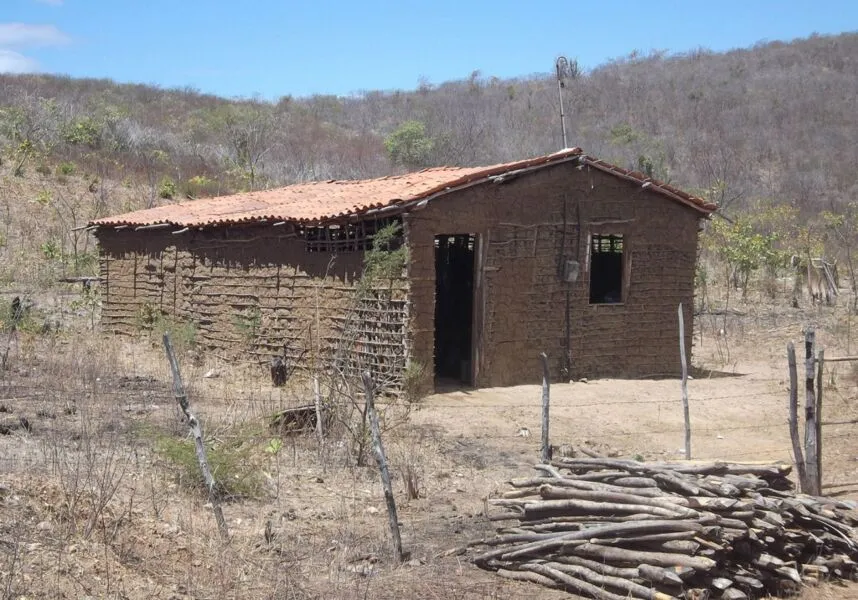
565, 70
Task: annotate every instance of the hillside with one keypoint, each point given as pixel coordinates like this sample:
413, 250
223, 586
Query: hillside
774, 123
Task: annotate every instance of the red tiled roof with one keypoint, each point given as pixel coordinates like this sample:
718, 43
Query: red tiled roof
324, 201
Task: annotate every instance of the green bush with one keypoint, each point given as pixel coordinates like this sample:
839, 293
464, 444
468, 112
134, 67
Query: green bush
183, 333
51, 250
66, 168
415, 381
167, 188
234, 459
247, 323
201, 186
82, 132
410, 145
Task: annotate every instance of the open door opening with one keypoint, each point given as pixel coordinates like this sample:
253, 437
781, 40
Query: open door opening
454, 305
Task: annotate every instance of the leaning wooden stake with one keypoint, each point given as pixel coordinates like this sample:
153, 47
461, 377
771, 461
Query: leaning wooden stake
197, 430
820, 362
17, 312
793, 418
682, 358
381, 459
811, 447
317, 396
546, 384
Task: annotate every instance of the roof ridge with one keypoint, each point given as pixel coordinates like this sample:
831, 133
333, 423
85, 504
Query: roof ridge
315, 201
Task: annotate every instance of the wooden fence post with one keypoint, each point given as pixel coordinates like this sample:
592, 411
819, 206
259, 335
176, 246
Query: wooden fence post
317, 397
685, 411
197, 431
381, 459
820, 362
546, 384
793, 417
811, 447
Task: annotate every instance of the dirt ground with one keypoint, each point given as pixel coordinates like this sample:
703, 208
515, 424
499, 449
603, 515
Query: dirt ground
90, 507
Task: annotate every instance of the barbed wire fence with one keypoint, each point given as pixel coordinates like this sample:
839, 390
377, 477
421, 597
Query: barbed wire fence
53, 412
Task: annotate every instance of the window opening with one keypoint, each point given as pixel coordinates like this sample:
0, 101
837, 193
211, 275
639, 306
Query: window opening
342, 237
606, 269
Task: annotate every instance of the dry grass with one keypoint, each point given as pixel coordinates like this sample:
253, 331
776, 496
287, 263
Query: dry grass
89, 506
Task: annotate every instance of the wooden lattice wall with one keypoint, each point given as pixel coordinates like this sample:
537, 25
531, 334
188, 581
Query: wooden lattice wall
252, 293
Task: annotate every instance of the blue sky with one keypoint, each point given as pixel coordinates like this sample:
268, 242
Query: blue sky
273, 48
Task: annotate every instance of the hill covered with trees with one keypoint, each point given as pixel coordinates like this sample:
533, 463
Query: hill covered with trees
770, 126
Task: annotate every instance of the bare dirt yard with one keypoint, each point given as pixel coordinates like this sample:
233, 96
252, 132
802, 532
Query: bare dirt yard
99, 496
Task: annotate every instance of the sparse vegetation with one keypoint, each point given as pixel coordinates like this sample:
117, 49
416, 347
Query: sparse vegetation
151, 320
247, 323
235, 458
100, 492
167, 188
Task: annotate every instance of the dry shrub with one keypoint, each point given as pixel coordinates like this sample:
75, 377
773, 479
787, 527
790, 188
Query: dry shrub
235, 457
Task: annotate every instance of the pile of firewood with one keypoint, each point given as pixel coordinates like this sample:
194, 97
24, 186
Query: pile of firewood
618, 529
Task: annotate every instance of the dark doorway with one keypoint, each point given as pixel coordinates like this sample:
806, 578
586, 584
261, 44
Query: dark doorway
454, 305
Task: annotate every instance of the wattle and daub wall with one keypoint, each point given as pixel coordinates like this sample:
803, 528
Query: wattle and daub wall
526, 229
251, 290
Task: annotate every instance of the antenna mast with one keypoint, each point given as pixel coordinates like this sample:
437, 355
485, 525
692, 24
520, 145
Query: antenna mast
564, 70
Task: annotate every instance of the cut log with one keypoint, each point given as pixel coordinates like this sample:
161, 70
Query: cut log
529, 576
721, 583
572, 583
551, 492
688, 547
613, 528
665, 576
631, 557
632, 589
646, 539
749, 582
593, 507
600, 567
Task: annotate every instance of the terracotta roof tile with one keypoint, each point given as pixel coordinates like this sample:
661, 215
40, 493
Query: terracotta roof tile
322, 201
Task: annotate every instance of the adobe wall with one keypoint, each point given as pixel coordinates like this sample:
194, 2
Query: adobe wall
248, 291
521, 310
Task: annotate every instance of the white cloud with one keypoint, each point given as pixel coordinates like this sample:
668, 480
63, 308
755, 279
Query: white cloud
12, 62
14, 36
22, 35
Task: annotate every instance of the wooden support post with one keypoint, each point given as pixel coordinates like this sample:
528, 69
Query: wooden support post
197, 431
811, 447
793, 418
820, 364
682, 358
381, 459
546, 384
317, 395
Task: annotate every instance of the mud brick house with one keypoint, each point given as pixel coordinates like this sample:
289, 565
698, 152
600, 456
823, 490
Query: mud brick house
563, 254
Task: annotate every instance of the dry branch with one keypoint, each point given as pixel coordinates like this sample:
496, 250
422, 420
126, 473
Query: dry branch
197, 432
612, 528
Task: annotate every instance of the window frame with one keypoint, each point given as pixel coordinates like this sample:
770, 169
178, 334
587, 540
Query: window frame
611, 234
